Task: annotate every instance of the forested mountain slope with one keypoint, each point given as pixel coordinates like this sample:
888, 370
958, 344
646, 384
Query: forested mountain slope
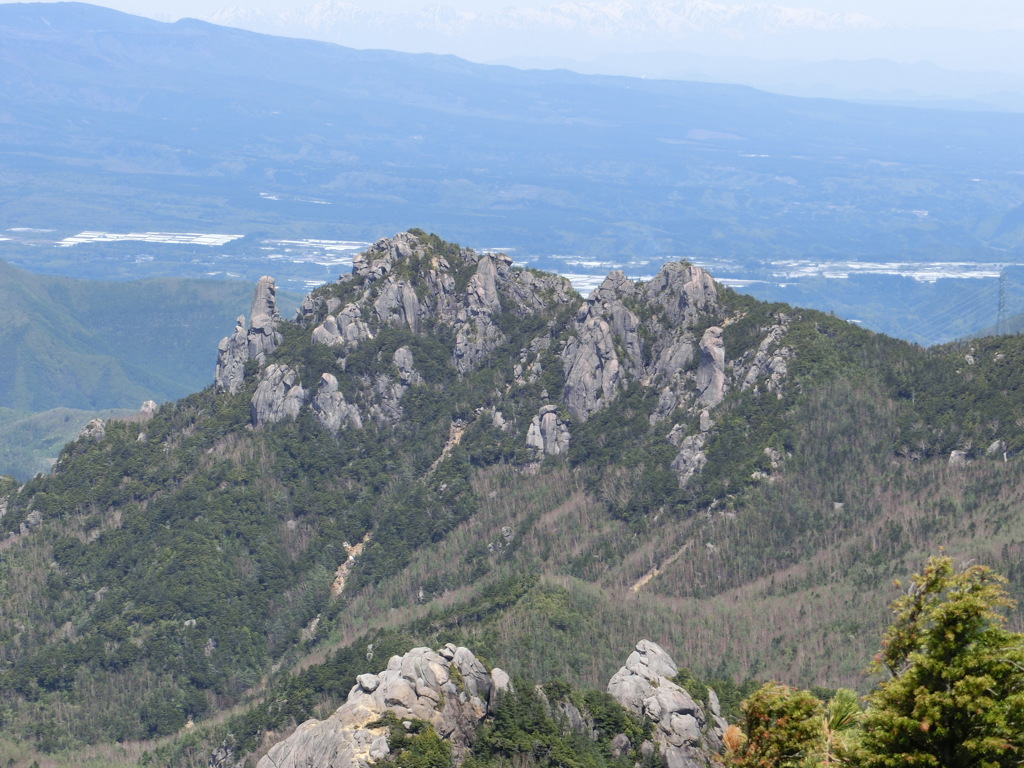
73, 348
91, 344
441, 447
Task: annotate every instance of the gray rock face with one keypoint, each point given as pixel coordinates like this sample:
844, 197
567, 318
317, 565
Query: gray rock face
386, 392
711, 371
686, 735
378, 260
684, 291
397, 304
591, 366
769, 363
691, 458
419, 685
232, 355
94, 430
624, 333
604, 325
404, 363
477, 334
256, 343
390, 298
263, 320
346, 329
278, 396
613, 346
959, 459
548, 434
330, 407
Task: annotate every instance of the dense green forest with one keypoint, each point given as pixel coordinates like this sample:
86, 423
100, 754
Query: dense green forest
75, 349
200, 574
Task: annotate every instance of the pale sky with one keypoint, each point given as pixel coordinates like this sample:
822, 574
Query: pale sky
979, 14
983, 35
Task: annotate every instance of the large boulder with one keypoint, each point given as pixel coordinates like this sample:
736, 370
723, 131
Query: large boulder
278, 396
548, 434
687, 735
450, 689
711, 370
330, 407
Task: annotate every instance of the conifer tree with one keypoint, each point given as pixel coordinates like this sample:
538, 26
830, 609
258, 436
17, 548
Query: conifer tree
955, 693
784, 729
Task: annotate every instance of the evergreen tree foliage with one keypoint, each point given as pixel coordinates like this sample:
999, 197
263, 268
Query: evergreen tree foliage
784, 729
955, 698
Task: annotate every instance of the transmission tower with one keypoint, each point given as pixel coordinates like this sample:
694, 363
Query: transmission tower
1001, 316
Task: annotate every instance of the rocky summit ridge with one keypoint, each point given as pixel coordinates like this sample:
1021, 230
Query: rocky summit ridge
665, 335
452, 691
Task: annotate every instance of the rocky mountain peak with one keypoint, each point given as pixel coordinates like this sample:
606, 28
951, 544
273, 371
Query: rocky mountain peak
450, 689
255, 343
454, 692
687, 732
666, 335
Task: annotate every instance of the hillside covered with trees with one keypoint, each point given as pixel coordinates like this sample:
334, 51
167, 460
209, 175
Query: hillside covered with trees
444, 448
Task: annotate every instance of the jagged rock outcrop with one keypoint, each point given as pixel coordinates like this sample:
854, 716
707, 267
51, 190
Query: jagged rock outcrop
263, 319
404, 283
548, 434
94, 430
346, 329
665, 333
261, 338
711, 371
691, 458
686, 733
593, 371
232, 355
406, 367
959, 458
770, 361
684, 291
613, 345
330, 407
278, 396
386, 392
451, 689
397, 304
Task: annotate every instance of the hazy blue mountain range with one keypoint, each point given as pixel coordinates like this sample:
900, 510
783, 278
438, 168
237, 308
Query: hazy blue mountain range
920, 84
117, 123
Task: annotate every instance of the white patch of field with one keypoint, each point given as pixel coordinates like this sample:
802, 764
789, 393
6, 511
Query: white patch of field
923, 272
583, 284
327, 245
592, 264
176, 238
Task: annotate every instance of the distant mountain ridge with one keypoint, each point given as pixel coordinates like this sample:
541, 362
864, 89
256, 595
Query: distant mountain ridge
76, 347
247, 133
91, 345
